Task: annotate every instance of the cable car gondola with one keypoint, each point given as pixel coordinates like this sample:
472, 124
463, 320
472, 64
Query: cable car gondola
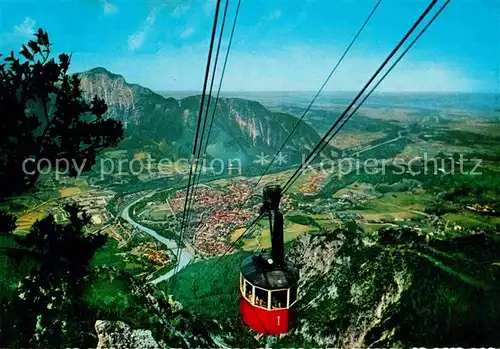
268, 281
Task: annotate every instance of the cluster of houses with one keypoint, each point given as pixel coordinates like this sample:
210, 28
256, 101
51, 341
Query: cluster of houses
312, 186
151, 251
211, 238
227, 212
480, 208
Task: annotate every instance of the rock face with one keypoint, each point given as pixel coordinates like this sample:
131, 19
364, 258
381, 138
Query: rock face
136, 106
340, 299
117, 334
396, 290
241, 128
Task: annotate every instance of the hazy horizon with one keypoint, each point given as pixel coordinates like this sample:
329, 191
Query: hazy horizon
332, 91
277, 45
475, 102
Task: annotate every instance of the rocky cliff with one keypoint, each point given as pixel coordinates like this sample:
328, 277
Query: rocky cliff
117, 334
241, 128
397, 290
134, 105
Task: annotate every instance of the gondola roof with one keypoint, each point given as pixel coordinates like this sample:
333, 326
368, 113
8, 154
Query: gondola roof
259, 272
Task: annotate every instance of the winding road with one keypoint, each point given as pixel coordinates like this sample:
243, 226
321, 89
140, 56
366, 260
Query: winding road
400, 135
185, 256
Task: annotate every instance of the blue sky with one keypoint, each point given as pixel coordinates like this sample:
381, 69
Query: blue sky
279, 44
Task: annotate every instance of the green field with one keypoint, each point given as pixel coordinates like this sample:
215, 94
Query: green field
472, 220
261, 238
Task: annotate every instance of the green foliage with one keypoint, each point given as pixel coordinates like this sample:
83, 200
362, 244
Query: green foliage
15, 263
391, 236
109, 294
115, 295
47, 303
65, 251
452, 302
46, 117
401, 291
440, 207
208, 288
304, 220
7, 223
109, 255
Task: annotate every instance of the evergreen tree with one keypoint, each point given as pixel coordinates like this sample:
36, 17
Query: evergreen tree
45, 120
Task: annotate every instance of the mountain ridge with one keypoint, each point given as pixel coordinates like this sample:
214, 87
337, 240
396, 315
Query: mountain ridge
241, 127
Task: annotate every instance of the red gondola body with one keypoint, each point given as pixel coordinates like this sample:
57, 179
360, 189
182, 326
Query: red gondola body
268, 282
263, 320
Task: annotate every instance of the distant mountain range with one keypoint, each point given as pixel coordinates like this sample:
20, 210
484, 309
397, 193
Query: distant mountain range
165, 125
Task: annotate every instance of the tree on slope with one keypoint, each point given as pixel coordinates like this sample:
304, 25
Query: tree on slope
45, 120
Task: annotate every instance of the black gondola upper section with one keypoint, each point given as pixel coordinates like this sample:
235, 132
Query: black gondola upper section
258, 271
271, 270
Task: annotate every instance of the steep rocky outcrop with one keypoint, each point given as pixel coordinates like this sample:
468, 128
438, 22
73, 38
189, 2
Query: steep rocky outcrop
118, 335
244, 128
241, 128
136, 106
340, 298
396, 291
